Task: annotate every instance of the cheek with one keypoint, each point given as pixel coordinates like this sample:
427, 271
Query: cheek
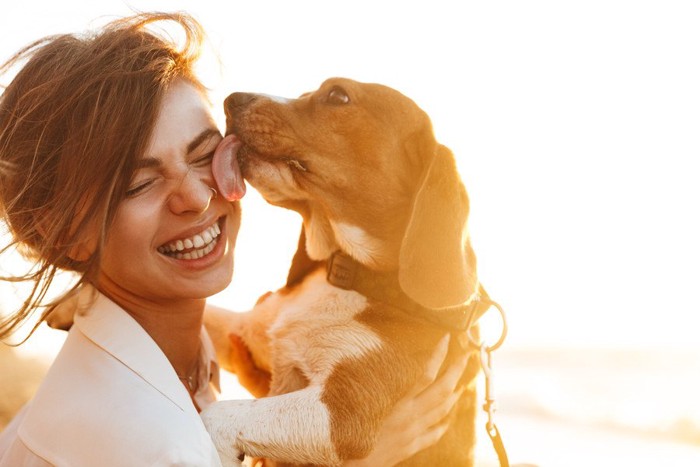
131, 232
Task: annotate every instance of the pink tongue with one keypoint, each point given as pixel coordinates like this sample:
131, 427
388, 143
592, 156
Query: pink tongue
227, 173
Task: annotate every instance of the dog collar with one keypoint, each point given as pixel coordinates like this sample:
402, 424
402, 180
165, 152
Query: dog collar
344, 272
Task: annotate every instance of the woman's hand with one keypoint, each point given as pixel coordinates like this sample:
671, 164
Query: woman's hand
402, 433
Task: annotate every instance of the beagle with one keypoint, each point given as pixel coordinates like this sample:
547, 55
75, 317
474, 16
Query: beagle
384, 270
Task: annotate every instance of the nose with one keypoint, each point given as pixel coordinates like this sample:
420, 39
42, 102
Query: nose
237, 100
192, 195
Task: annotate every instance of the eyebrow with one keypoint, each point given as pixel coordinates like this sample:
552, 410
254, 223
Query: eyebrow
203, 136
149, 162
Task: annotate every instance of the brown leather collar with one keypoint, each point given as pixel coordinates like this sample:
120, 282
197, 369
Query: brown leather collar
346, 273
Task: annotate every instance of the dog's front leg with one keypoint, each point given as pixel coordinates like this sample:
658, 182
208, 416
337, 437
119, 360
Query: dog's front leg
292, 427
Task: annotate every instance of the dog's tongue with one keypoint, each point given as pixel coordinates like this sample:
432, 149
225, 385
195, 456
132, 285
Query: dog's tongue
227, 173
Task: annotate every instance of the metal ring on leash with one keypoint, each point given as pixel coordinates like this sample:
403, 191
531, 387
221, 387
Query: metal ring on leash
504, 332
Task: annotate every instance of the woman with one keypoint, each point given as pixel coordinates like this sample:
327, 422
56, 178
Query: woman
105, 149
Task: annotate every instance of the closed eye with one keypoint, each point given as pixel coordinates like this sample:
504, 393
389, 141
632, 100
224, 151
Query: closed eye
204, 160
139, 188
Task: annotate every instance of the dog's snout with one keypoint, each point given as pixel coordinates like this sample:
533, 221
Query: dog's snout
237, 99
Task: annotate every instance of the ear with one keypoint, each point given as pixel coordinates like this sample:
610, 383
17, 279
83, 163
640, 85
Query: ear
81, 252
302, 265
437, 266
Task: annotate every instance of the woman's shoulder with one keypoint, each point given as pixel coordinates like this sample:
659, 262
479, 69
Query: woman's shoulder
134, 427
93, 406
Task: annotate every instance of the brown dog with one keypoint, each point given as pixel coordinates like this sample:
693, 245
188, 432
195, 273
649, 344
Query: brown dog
384, 270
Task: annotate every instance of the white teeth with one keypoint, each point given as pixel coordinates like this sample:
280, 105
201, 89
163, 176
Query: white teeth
203, 243
198, 241
196, 254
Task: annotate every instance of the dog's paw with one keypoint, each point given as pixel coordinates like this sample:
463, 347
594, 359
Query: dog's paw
263, 297
253, 378
221, 435
236, 461
62, 316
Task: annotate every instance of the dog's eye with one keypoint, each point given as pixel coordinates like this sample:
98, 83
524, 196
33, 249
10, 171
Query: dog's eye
338, 96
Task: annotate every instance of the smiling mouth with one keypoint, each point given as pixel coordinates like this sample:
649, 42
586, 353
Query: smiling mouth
193, 247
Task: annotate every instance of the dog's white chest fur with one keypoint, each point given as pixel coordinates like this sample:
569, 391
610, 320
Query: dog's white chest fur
315, 328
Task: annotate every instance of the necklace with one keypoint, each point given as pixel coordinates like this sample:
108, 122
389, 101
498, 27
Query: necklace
191, 380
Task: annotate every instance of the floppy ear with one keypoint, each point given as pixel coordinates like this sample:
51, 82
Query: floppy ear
437, 266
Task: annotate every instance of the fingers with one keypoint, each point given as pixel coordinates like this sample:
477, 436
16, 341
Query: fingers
448, 381
435, 403
432, 368
402, 434
439, 413
427, 438
438, 399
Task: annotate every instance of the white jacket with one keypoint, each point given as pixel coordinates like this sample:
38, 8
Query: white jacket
112, 398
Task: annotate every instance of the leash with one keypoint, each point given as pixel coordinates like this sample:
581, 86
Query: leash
344, 272
485, 356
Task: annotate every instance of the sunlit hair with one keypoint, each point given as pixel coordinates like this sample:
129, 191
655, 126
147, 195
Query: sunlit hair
73, 122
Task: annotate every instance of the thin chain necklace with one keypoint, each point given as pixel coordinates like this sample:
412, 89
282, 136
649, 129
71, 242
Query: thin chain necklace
191, 380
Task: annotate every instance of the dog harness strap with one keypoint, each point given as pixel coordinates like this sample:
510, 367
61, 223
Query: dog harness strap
346, 273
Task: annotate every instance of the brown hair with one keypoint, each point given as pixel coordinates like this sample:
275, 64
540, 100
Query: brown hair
73, 121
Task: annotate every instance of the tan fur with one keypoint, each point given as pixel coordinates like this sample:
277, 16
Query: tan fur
369, 179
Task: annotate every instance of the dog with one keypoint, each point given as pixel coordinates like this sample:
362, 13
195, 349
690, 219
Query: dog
383, 271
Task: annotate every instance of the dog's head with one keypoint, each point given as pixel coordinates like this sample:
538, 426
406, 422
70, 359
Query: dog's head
361, 165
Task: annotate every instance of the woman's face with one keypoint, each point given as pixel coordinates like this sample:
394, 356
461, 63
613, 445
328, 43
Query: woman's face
171, 238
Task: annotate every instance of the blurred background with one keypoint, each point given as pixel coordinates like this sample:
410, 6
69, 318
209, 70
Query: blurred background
576, 130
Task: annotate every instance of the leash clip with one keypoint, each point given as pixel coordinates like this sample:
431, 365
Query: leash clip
489, 394
490, 405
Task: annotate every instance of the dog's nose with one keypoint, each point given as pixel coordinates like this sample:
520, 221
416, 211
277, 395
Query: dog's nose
238, 99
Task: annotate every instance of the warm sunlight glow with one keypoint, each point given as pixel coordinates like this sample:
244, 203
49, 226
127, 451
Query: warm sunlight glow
575, 127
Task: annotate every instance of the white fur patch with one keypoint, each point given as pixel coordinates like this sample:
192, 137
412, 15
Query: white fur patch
320, 241
292, 427
314, 331
358, 243
301, 337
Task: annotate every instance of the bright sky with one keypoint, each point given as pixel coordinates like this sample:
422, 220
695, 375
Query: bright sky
575, 125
